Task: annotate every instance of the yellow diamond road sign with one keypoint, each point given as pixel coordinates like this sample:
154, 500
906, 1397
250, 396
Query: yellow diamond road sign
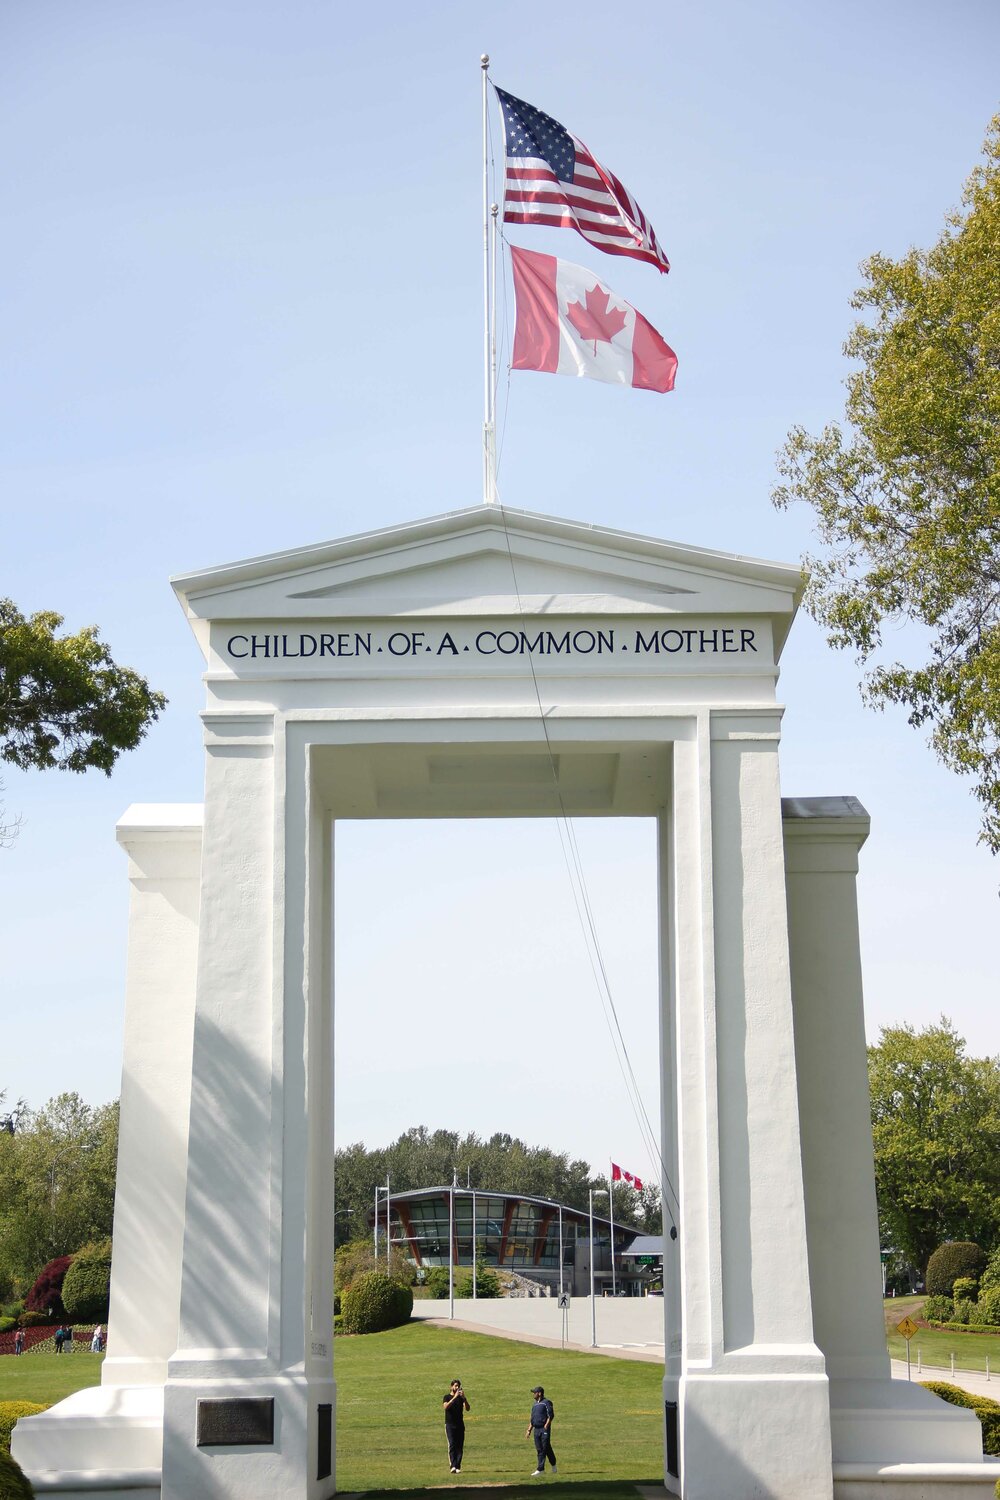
907, 1328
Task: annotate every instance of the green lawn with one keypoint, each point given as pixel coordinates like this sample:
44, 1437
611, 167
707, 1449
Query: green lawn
937, 1345
47, 1378
390, 1428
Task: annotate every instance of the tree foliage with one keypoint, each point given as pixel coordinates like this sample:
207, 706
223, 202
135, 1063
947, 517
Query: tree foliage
936, 1129
63, 701
502, 1163
908, 501
57, 1185
45, 1293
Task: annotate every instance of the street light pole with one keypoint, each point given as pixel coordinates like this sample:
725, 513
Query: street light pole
600, 1193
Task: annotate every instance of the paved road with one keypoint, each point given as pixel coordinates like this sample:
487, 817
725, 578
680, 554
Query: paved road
968, 1380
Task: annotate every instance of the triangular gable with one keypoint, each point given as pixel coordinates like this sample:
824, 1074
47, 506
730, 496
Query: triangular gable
488, 561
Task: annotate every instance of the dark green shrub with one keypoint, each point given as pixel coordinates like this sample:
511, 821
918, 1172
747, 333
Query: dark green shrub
87, 1284
13, 1483
371, 1303
951, 1260
989, 1306
966, 1288
336, 1304
965, 1311
986, 1410
12, 1309
437, 1282
37, 1320
10, 1411
938, 1309
6, 1324
402, 1305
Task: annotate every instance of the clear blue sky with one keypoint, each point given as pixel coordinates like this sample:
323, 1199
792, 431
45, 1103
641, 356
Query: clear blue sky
240, 266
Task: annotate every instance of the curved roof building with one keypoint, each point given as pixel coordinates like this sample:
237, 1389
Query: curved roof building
511, 1231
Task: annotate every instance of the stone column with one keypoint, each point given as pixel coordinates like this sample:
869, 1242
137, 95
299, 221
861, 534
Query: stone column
164, 851
874, 1418
232, 1312
117, 1427
754, 1394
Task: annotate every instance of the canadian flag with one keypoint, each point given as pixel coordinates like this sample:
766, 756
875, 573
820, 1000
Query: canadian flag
569, 323
617, 1175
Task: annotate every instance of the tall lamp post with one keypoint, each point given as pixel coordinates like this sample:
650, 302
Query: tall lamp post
594, 1193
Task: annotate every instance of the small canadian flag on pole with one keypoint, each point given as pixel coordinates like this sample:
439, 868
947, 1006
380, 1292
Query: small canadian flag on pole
617, 1175
569, 323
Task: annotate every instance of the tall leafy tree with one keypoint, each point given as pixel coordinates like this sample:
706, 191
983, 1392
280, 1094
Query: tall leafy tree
57, 1185
63, 701
907, 500
936, 1129
502, 1163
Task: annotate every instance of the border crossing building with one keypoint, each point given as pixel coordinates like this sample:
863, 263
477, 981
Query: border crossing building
514, 1232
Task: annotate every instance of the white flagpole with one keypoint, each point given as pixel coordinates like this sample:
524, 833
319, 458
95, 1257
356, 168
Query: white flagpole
611, 1210
484, 63
494, 214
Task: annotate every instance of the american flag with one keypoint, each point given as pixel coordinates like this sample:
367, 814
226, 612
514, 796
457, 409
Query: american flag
552, 178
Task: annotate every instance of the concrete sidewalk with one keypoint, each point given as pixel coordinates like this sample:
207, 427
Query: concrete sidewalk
973, 1381
651, 1353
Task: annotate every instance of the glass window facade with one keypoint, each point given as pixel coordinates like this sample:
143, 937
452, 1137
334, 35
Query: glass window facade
506, 1230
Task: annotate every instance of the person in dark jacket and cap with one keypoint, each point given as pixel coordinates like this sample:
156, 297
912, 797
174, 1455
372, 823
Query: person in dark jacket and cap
540, 1428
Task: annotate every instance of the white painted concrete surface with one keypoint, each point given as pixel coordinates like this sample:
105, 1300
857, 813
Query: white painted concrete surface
405, 673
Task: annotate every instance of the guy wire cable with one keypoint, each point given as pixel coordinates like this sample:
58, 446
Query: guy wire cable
585, 915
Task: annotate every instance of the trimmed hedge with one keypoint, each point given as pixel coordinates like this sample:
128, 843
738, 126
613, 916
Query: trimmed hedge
13, 1482
952, 1327
12, 1411
966, 1289
372, 1302
87, 1284
6, 1324
986, 1410
953, 1259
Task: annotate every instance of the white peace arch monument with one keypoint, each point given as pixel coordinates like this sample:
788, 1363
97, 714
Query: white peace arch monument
490, 663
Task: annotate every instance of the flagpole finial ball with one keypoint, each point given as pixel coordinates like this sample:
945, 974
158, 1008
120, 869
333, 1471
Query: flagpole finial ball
485, 60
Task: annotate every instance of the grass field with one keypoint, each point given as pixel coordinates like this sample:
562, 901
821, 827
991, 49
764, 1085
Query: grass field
937, 1345
47, 1378
390, 1428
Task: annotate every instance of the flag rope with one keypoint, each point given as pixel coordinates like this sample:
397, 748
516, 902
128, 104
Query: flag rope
585, 916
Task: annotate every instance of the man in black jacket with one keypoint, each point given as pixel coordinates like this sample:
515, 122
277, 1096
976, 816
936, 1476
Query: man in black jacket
540, 1428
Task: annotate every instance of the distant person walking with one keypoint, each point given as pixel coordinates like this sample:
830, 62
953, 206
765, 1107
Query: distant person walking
540, 1428
19, 1341
97, 1341
60, 1338
455, 1407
